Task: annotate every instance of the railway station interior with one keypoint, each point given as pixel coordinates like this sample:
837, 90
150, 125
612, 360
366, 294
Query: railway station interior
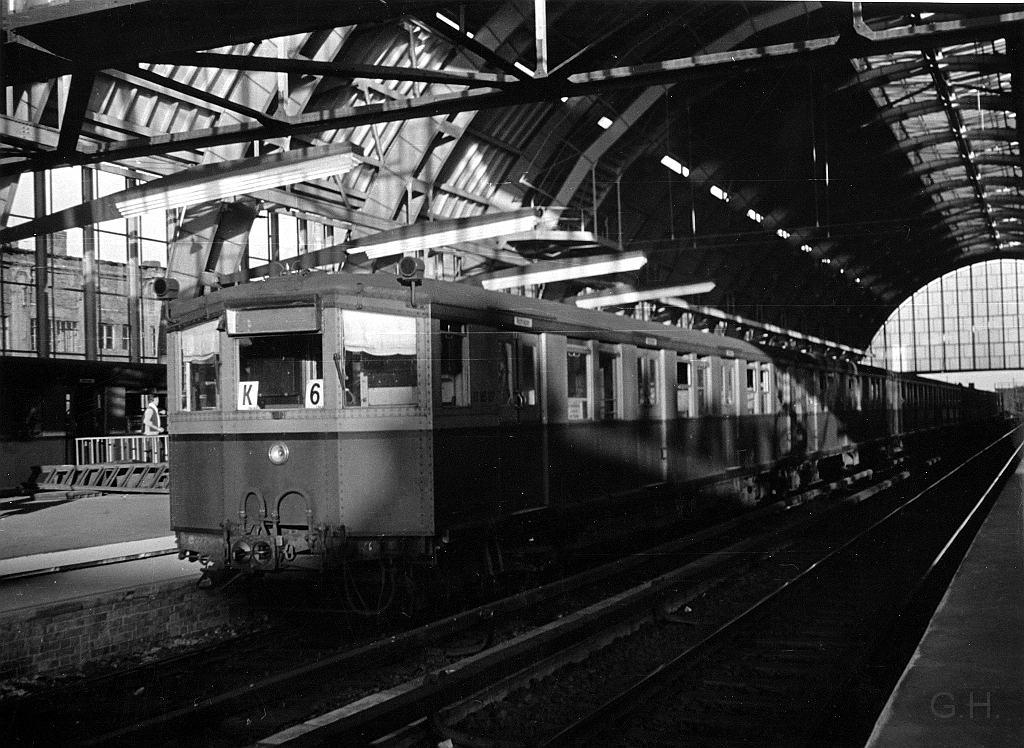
365, 290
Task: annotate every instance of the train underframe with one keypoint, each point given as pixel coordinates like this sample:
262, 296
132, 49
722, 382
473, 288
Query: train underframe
478, 560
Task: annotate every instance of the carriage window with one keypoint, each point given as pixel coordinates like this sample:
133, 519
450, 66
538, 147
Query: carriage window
200, 366
751, 388
274, 370
578, 385
702, 403
454, 364
766, 388
729, 387
608, 384
647, 381
682, 388
380, 359
527, 373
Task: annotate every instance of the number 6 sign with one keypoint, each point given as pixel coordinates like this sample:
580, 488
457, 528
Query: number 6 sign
315, 393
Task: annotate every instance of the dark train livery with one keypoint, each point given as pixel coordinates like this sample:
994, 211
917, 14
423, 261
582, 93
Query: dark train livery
320, 419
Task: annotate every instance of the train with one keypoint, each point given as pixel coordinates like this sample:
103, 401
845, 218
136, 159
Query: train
323, 420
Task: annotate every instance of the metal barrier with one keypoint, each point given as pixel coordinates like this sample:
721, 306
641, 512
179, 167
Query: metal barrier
135, 448
118, 477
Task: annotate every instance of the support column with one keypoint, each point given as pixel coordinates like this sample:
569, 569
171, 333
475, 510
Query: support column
42, 263
134, 290
89, 305
274, 250
540, 28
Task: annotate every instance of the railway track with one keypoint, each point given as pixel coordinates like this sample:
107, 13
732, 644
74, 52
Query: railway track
768, 672
221, 696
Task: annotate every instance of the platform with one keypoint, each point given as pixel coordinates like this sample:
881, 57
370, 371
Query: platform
964, 685
81, 531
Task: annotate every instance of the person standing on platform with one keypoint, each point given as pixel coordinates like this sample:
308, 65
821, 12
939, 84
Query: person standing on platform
151, 428
151, 418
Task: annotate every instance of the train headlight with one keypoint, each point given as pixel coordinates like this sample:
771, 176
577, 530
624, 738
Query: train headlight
262, 553
278, 453
241, 552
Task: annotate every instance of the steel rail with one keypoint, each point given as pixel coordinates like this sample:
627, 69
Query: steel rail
655, 682
409, 703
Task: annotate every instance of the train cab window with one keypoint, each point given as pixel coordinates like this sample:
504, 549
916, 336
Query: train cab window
200, 367
608, 384
380, 359
682, 388
274, 370
578, 372
454, 365
646, 381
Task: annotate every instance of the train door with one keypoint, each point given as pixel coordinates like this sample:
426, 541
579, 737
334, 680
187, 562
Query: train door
523, 459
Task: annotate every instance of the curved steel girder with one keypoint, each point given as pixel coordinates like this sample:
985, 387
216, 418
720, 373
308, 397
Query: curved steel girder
961, 184
909, 145
1002, 200
988, 102
985, 64
981, 159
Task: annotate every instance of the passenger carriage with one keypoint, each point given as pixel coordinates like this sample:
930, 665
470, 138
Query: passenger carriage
323, 419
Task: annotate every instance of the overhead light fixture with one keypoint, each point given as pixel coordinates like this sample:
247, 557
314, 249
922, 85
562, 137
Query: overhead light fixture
604, 123
601, 300
719, 193
782, 234
428, 234
678, 168
446, 20
563, 270
753, 215
230, 178
520, 66
197, 185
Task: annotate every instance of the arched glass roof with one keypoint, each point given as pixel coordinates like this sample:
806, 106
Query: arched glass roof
969, 320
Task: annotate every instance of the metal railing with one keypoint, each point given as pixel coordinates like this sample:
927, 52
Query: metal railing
135, 448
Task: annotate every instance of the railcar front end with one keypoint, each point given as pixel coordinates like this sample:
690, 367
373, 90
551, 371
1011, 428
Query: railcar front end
300, 426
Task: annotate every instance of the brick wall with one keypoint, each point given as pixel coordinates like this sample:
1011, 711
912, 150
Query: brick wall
67, 635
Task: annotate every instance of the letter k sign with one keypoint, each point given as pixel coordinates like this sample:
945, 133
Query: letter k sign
248, 395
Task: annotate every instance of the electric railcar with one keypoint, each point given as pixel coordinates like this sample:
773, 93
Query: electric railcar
327, 419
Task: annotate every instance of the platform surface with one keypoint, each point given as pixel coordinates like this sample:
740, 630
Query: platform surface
964, 686
84, 523
82, 531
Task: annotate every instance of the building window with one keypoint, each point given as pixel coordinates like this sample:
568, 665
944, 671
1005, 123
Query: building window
65, 339
126, 337
107, 337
